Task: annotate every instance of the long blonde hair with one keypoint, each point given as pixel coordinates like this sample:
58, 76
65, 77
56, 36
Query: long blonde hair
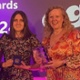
66, 23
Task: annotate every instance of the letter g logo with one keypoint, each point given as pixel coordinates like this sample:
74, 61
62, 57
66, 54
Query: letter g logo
74, 15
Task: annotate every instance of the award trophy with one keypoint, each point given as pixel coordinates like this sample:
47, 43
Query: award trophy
39, 56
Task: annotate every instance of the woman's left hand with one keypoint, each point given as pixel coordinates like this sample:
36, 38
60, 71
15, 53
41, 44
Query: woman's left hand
22, 66
55, 63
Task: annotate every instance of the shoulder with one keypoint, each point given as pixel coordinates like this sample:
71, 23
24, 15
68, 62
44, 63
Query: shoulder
33, 38
5, 37
75, 33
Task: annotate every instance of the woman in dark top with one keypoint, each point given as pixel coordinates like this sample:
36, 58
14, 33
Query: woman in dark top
20, 42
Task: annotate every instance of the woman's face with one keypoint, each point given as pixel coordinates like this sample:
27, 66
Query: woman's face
18, 23
55, 18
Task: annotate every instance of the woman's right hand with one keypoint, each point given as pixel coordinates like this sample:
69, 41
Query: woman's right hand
8, 63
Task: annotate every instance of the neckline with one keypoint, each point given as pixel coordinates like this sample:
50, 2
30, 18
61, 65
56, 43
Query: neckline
61, 38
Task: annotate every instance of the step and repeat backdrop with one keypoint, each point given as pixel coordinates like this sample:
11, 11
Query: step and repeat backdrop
35, 11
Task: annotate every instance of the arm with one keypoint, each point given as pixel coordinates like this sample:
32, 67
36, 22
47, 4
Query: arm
27, 67
9, 62
74, 60
55, 64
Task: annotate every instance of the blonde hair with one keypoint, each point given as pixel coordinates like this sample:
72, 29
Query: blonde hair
66, 23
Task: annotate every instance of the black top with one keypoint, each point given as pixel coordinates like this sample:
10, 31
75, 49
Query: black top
21, 47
